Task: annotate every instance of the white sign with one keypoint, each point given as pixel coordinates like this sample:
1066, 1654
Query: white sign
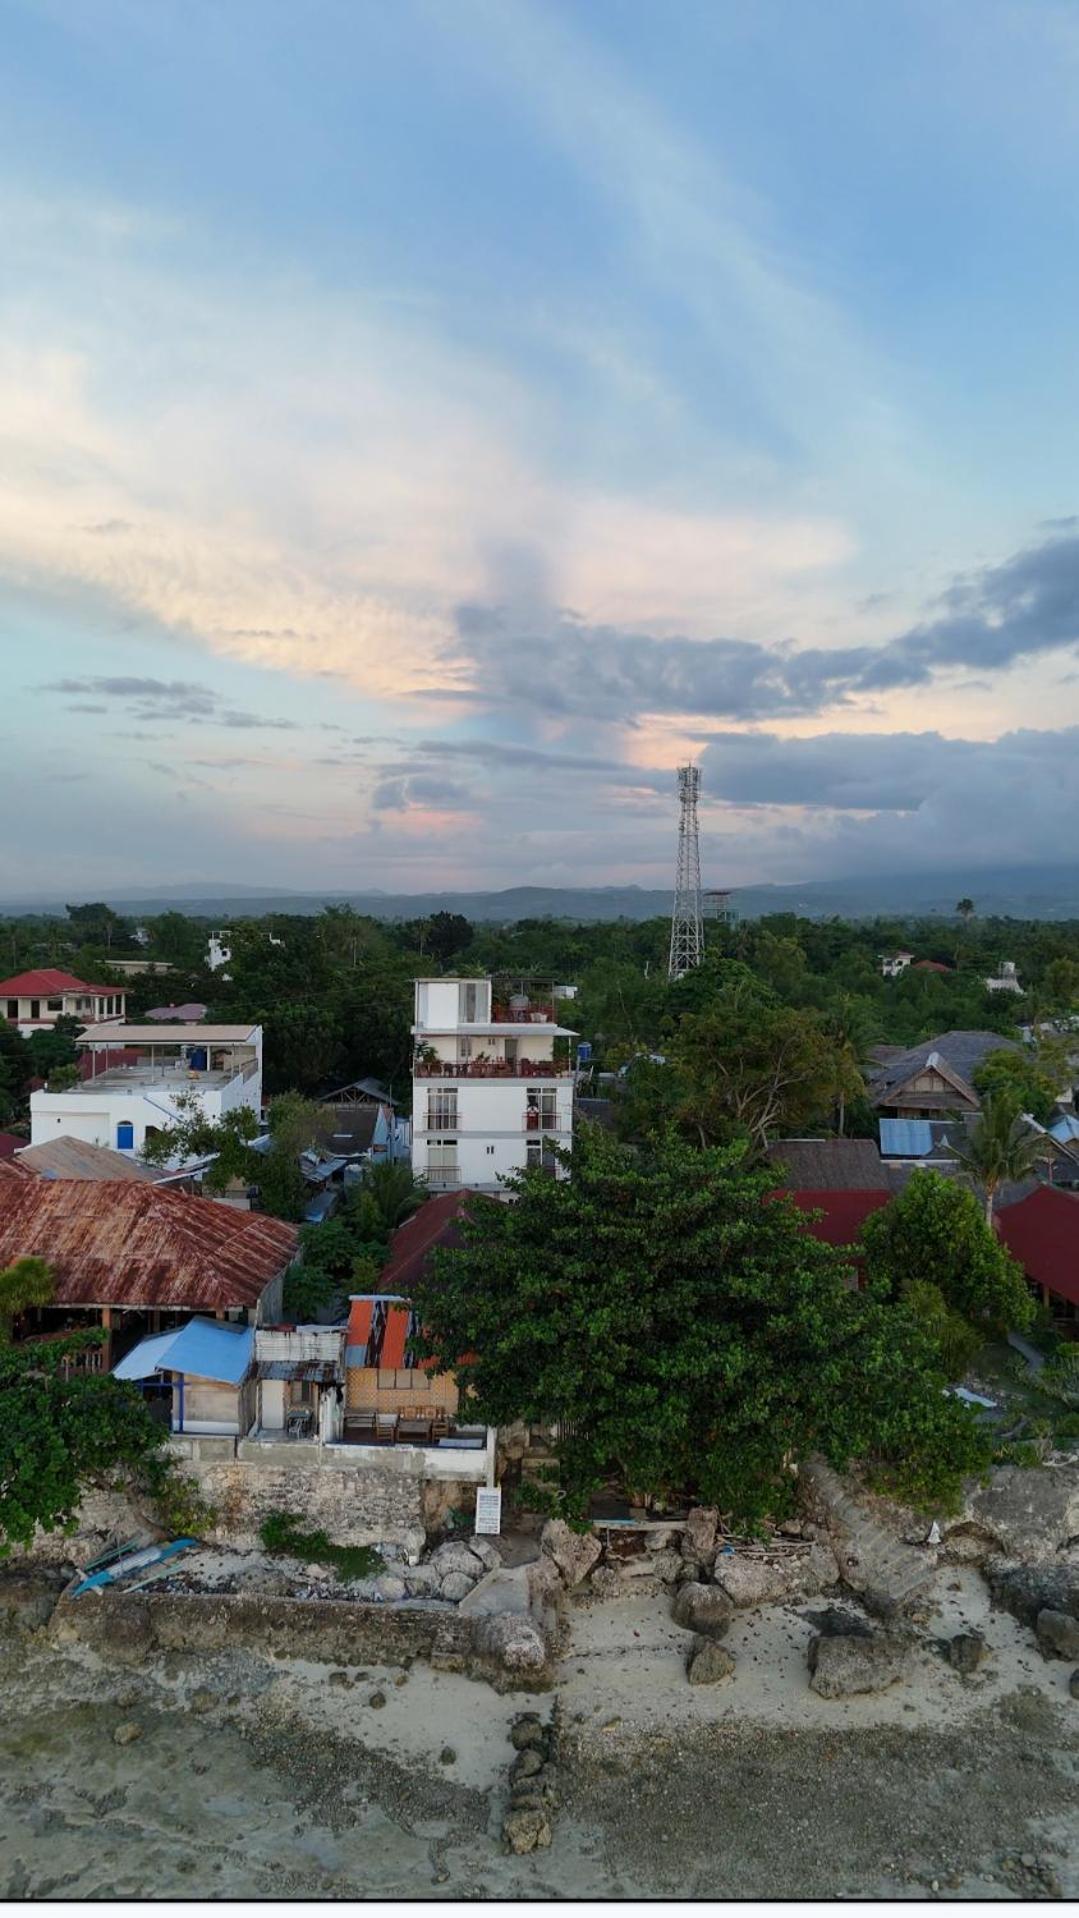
489, 1511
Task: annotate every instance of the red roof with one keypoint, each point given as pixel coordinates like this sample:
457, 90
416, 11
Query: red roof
47, 984
1043, 1233
134, 1245
395, 1337
436, 1223
930, 965
845, 1213
9, 1145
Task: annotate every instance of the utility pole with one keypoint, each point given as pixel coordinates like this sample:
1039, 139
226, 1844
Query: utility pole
687, 923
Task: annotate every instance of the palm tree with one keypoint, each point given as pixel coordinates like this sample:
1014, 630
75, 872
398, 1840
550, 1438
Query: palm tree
394, 1191
1001, 1147
965, 909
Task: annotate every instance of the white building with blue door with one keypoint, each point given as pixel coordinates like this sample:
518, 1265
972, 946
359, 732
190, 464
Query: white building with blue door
135, 1081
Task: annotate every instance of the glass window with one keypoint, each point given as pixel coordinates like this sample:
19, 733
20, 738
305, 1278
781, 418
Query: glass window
442, 1109
55, 1005
12, 1008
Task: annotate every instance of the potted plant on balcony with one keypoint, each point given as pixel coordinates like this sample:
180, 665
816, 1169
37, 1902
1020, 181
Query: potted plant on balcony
426, 1057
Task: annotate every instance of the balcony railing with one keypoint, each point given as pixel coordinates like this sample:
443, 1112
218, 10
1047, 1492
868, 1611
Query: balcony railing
530, 1015
492, 1069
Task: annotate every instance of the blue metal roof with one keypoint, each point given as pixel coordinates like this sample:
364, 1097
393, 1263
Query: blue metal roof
906, 1138
202, 1348
1065, 1130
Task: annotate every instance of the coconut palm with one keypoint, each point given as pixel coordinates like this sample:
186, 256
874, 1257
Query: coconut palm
1001, 1147
965, 909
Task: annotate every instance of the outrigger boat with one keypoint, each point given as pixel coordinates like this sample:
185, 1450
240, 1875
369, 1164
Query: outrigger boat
111, 1567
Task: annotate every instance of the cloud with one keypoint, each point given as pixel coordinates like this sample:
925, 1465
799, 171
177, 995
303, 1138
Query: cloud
164, 700
419, 790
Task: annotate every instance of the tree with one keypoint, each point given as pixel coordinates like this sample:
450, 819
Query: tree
1021, 1080
98, 925
935, 1233
194, 1136
389, 1194
687, 1332
965, 908
448, 933
16, 1070
28, 1282
1000, 1148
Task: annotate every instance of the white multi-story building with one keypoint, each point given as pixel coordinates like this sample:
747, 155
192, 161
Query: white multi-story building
137, 1080
492, 1083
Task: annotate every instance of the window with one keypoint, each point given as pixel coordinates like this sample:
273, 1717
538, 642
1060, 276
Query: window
442, 1163
12, 1008
55, 1005
541, 1110
35, 1008
468, 1002
442, 1109
125, 1136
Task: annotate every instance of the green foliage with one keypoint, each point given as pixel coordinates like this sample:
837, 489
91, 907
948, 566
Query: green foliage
28, 1282
999, 1147
686, 1332
935, 1233
194, 1136
955, 1338
1017, 1079
281, 1533
59, 1436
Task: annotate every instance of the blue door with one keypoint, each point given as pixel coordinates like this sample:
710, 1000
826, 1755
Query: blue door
125, 1136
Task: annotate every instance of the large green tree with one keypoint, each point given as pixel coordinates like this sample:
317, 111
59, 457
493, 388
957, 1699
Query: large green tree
999, 1148
687, 1332
936, 1234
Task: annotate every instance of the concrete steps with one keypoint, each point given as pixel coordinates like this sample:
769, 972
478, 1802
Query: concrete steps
873, 1561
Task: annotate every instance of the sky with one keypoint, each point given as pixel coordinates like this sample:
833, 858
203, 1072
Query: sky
424, 426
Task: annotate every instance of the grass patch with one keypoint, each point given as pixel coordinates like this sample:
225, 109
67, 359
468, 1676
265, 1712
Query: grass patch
281, 1534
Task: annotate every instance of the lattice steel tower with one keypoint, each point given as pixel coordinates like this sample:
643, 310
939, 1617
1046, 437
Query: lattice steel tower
687, 925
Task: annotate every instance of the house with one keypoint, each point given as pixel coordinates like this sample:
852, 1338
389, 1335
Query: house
190, 1014
492, 1083
1042, 1232
76, 1159
9, 1145
199, 1377
34, 1001
1006, 979
836, 1217
828, 1165
218, 953
934, 1080
892, 965
138, 1258
931, 965
366, 1131
132, 1078
300, 1378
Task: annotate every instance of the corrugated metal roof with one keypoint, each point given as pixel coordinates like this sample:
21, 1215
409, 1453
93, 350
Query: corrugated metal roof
1043, 1233
436, 1223
395, 1337
200, 1349
313, 1371
67, 1158
168, 1035
128, 1244
845, 1213
906, 1138
1065, 1129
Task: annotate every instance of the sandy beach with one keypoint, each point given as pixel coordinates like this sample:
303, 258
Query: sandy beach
254, 1776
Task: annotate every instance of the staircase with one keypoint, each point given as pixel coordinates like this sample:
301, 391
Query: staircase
887, 1573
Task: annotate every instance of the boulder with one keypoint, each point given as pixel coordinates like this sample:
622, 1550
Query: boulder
761, 1581
703, 1609
527, 1733
1058, 1634
487, 1552
659, 1541
127, 1733
503, 1591
390, 1589
457, 1557
455, 1586
1073, 1683
845, 1663
526, 1830
1026, 1590
516, 1649
526, 1764
1025, 1513
668, 1566
699, 1533
607, 1582
708, 1662
421, 1581
574, 1553
966, 1651
29, 1596
414, 1544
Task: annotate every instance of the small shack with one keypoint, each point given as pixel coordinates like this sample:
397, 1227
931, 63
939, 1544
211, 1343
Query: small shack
199, 1376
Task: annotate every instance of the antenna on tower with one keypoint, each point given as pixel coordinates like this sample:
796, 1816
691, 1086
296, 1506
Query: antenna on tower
687, 924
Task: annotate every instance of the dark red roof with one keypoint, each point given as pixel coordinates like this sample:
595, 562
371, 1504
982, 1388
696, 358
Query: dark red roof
1042, 1232
9, 1145
47, 983
436, 1223
133, 1245
845, 1213
930, 965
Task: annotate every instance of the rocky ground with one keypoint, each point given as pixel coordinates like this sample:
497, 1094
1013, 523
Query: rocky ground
239, 1775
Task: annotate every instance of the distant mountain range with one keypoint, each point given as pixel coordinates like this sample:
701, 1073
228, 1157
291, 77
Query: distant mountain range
1020, 892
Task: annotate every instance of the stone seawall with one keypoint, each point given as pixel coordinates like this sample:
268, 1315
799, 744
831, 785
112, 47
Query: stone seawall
130, 1627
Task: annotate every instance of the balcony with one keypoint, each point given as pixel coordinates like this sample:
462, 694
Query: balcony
503, 1014
492, 1069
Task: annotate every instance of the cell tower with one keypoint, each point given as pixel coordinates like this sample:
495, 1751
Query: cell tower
687, 924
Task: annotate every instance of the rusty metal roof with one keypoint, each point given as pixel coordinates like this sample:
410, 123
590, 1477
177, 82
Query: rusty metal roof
68, 1158
135, 1246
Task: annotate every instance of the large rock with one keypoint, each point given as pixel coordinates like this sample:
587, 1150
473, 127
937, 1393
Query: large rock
391, 1589
455, 1556
487, 1552
526, 1830
422, 1581
702, 1608
699, 1533
574, 1553
759, 1581
455, 1586
1025, 1513
515, 1649
668, 1566
505, 1590
708, 1662
966, 1651
29, 1596
1058, 1634
1026, 1590
844, 1664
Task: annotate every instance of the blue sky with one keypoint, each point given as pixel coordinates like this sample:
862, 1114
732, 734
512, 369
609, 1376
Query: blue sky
421, 426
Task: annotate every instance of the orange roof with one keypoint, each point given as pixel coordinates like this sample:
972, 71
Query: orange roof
395, 1337
133, 1245
359, 1321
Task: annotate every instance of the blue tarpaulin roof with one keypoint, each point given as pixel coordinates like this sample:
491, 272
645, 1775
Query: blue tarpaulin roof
906, 1138
202, 1348
1065, 1130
